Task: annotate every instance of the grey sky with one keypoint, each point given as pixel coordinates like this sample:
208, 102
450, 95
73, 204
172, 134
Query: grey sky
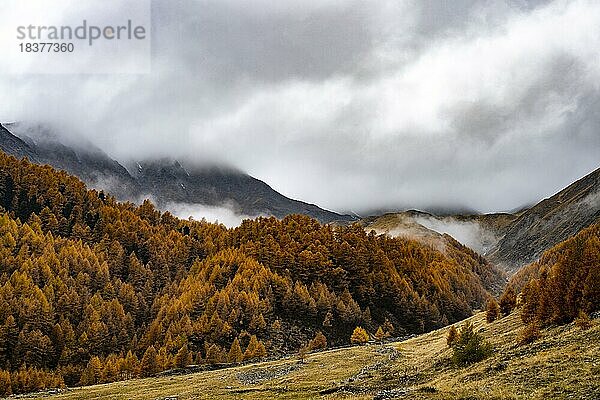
353, 105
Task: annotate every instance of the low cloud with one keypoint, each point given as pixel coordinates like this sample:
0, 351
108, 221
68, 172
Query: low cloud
471, 234
224, 214
353, 105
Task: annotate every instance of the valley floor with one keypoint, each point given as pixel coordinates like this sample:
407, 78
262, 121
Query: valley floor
563, 364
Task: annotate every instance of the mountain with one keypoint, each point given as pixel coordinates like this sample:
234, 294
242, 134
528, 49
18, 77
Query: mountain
10, 144
508, 240
166, 182
170, 181
549, 222
479, 232
563, 282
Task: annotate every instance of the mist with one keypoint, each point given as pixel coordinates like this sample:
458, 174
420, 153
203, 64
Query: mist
352, 105
224, 214
470, 234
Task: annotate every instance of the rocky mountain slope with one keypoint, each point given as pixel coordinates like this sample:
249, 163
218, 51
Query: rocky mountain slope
549, 222
171, 181
165, 181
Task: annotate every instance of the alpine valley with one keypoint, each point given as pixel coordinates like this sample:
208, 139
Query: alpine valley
94, 290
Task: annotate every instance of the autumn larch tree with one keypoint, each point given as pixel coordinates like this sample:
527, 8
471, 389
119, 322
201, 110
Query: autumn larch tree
492, 310
451, 336
183, 358
359, 336
318, 342
508, 301
235, 352
149, 364
380, 334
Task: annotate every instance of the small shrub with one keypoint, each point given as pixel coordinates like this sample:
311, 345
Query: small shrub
583, 321
318, 342
452, 336
492, 311
470, 346
529, 334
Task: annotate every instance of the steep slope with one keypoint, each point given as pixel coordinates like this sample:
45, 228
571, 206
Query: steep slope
169, 181
564, 281
10, 144
549, 222
166, 181
85, 161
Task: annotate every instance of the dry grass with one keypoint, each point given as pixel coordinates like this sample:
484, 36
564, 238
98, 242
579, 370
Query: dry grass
564, 363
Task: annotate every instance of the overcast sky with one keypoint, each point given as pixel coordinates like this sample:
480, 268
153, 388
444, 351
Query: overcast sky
353, 105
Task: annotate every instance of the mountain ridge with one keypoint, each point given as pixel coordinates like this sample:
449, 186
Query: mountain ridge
166, 181
508, 240
549, 222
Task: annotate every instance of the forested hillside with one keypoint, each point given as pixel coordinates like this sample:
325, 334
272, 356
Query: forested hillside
564, 283
92, 290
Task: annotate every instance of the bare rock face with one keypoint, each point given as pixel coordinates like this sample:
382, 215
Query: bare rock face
549, 222
12, 145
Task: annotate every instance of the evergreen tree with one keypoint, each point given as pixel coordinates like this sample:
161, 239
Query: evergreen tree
235, 352
492, 311
149, 364
470, 346
359, 336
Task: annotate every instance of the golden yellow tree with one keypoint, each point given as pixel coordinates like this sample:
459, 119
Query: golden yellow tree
359, 336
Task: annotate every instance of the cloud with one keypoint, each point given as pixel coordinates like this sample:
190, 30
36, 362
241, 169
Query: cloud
471, 234
353, 105
225, 214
